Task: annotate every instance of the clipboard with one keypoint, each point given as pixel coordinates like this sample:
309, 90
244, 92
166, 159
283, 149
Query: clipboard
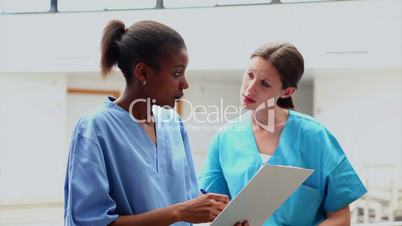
264, 193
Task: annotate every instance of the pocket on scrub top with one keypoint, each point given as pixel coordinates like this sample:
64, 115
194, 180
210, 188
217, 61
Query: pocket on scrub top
300, 208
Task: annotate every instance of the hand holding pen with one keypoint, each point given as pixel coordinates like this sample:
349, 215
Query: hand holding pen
244, 223
202, 209
203, 191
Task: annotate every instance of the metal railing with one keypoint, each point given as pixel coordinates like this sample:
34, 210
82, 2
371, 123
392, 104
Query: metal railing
160, 4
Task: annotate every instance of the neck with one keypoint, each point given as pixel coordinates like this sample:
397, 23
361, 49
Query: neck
136, 103
263, 116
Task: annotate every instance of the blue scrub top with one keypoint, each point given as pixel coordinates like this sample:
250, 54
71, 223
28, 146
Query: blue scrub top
233, 159
115, 169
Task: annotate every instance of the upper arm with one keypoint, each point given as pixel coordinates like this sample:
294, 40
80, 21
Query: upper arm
87, 199
212, 178
342, 184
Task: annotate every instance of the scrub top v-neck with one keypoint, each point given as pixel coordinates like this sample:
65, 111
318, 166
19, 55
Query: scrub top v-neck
233, 159
115, 169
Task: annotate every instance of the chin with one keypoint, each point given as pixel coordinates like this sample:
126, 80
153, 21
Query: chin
164, 104
248, 106
168, 106
171, 104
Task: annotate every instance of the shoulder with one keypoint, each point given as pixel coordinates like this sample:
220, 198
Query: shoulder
85, 143
306, 123
315, 137
91, 122
309, 129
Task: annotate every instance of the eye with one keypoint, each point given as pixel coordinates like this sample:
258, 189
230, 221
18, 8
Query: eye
265, 83
250, 74
178, 72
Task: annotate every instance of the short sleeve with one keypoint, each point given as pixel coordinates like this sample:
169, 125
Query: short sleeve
211, 177
342, 185
86, 190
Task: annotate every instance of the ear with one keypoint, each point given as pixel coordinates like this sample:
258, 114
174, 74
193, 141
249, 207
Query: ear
141, 71
288, 92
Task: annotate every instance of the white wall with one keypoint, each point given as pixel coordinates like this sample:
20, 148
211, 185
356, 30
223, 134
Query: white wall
330, 35
32, 147
32, 138
363, 109
37, 117
304, 96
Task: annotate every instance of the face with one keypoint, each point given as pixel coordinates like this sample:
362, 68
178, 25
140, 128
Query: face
261, 82
166, 85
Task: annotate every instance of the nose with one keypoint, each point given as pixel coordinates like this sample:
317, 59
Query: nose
251, 86
184, 83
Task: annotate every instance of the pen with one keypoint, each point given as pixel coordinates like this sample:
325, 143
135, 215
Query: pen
203, 191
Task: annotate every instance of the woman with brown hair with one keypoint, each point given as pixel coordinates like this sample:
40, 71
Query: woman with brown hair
272, 132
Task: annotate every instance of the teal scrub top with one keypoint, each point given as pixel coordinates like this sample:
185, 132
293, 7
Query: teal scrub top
233, 159
115, 169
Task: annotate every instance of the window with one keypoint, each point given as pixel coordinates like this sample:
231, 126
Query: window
299, 1
241, 2
187, 3
25, 6
80, 5
130, 4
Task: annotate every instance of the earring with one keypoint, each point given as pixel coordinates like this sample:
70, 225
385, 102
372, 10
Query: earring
144, 82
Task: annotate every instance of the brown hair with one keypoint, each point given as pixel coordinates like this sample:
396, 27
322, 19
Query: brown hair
289, 63
141, 42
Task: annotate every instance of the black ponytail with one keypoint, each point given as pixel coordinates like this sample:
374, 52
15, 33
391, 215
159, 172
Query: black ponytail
286, 103
109, 48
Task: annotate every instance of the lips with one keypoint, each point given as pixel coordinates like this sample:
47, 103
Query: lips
248, 100
178, 96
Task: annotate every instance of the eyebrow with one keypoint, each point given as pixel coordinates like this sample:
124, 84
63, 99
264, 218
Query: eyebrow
267, 79
263, 77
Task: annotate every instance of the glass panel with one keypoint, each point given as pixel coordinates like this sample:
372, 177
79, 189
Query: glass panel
130, 4
241, 2
25, 6
81, 5
297, 1
188, 3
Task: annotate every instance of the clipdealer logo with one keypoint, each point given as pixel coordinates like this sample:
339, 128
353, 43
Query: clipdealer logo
270, 105
204, 115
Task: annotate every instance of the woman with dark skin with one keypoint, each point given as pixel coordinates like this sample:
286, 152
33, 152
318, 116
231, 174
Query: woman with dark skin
127, 164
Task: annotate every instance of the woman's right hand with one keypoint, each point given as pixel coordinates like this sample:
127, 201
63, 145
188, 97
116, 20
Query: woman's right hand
202, 209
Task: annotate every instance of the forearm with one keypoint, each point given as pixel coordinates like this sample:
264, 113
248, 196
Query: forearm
159, 217
199, 210
335, 222
338, 218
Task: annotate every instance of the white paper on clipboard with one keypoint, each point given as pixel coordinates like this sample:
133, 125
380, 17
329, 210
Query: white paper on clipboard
264, 193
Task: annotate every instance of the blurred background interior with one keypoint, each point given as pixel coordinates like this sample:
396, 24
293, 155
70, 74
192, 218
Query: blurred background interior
49, 76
